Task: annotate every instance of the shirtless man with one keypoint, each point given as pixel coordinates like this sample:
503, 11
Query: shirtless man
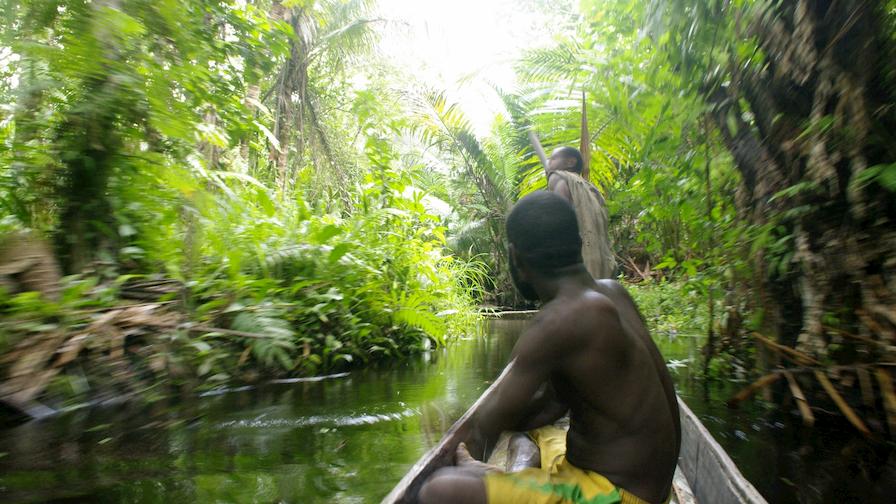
587, 352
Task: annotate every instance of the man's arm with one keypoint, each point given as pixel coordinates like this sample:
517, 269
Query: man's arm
558, 186
543, 409
536, 357
547, 409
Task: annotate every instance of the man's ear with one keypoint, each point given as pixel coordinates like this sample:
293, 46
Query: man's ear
520, 265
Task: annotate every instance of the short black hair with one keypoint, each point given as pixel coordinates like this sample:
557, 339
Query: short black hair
543, 230
572, 152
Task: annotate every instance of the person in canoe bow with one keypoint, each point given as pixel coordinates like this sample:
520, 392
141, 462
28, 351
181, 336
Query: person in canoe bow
565, 177
588, 353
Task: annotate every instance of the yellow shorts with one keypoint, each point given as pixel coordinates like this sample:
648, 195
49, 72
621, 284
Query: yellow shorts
557, 481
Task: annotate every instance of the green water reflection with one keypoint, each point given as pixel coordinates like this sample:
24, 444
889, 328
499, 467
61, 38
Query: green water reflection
345, 439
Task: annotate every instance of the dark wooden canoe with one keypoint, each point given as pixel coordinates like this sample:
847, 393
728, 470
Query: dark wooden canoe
705, 475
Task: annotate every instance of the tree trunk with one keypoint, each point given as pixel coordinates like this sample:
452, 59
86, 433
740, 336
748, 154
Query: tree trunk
85, 225
821, 115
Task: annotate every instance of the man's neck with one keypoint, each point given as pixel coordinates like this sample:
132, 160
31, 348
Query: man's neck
566, 282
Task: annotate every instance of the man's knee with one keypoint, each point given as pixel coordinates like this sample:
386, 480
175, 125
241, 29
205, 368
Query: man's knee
436, 489
448, 485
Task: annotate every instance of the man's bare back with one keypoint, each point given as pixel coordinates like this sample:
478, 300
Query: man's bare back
588, 353
623, 410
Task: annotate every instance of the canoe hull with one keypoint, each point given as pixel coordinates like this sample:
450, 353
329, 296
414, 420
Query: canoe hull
712, 477
711, 474
442, 454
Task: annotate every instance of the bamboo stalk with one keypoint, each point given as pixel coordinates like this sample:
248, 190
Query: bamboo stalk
790, 353
865, 386
857, 337
801, 402
841, 403
886, 390
751, 389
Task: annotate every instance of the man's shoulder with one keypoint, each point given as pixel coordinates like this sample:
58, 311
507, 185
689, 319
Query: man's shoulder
609, 286
597, 307
555, 178
616, 292
588, 324
570, 316
563, 175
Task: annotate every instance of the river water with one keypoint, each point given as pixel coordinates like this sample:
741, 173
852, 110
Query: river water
349, 438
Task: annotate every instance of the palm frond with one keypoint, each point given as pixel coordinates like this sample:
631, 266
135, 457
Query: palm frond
558, 64
444, 124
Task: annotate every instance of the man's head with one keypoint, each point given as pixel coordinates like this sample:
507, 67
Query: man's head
566, 159
544, 238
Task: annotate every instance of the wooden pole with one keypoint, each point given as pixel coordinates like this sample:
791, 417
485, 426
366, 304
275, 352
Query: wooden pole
585, 142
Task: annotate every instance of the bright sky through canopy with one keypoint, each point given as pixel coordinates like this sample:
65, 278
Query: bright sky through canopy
463, 46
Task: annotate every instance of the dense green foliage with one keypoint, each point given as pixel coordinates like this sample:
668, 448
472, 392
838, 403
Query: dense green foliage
801, 96
743, 148
222, 145
327, 211
669, 183
318, 277
109, 97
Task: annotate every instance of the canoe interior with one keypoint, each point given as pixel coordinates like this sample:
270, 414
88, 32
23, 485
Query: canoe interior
704, 469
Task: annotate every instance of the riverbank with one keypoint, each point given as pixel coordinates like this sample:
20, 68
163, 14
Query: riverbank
134, 338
